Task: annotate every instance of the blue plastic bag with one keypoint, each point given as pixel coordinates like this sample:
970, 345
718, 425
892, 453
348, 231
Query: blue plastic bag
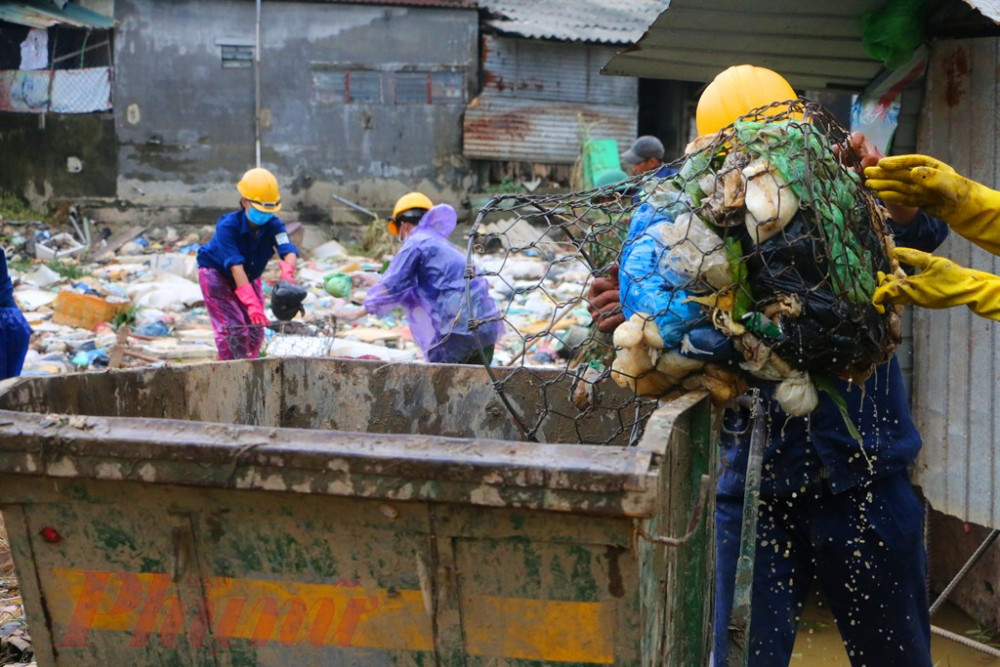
644, 288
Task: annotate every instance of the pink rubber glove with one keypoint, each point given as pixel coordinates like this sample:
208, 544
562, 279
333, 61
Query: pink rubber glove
255, 309
287, 272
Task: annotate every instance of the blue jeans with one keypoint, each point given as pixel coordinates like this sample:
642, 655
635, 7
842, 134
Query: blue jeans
865, 549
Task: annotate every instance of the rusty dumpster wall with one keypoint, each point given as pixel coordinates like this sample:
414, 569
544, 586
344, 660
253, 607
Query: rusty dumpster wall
169, 536
337, 394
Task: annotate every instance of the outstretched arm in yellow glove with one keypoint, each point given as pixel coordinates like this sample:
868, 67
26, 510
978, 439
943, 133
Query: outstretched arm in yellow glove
970, 208
941, 283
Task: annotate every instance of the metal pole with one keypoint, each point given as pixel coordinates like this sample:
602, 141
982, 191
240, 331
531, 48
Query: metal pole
256, 92
738, 653
966, 641
357, 207
965, 569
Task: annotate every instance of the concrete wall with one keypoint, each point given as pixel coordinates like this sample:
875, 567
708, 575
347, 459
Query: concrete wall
35, 150
186, 124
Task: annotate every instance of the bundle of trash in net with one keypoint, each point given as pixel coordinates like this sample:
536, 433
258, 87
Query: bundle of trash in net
758, 257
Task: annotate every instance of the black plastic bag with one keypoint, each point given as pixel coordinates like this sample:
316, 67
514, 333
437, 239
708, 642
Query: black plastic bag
831, 333
286, 300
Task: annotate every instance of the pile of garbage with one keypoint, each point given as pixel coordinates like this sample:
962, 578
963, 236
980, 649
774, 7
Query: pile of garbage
756, 259
131, 299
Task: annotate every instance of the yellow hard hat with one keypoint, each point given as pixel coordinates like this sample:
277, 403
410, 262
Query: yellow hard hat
259, 187
408, 202
736, 91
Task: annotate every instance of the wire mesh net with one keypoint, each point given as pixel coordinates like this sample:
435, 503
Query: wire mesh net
755, 259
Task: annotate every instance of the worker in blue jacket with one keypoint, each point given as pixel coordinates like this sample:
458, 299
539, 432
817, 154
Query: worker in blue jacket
832, 511
14, 330
231, 263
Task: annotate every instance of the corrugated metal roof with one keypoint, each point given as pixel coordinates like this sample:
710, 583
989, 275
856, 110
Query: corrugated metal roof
814, 45
600, 21
45, 14
454, 4
503, 128
988, 8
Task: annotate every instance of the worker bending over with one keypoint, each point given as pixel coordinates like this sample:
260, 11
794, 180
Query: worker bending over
231, 263
452, 318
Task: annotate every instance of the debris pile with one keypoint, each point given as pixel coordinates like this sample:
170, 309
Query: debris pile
756, 260
132, 299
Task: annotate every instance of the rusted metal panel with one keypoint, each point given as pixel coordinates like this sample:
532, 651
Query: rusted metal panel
497, 128
532, 69
956, 401
538, 97
160, 541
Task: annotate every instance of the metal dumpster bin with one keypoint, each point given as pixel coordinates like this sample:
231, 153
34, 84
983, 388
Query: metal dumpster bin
334, 512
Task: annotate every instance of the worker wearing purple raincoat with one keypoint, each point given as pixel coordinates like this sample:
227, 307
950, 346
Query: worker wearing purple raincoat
427, 280
14, 330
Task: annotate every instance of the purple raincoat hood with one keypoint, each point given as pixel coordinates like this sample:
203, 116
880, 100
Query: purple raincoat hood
440, 220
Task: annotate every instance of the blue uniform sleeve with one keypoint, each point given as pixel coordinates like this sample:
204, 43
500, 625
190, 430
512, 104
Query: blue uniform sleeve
283, 244
398, 282
923, 233
225, 245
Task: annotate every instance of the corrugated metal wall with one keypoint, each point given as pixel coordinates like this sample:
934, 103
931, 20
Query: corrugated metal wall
537, 95
956, 400
535, 131
903, 142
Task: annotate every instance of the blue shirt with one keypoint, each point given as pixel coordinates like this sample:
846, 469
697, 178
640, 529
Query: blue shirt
817, 450
236, 241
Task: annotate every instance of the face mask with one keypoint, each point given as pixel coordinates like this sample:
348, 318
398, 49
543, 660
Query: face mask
258, 217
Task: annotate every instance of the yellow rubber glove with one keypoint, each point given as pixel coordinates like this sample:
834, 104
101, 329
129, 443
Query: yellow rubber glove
941, 283
970, 208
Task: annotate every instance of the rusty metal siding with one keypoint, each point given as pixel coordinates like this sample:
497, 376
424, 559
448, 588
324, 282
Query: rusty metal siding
538, 131
955, 375
537, 96
548, 71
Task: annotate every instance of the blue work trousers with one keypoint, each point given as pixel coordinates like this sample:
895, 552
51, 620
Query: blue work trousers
15, 334
864, 548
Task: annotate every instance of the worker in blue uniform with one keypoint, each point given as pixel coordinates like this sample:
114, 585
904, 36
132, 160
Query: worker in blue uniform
832, 511
231, 263
15, 333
